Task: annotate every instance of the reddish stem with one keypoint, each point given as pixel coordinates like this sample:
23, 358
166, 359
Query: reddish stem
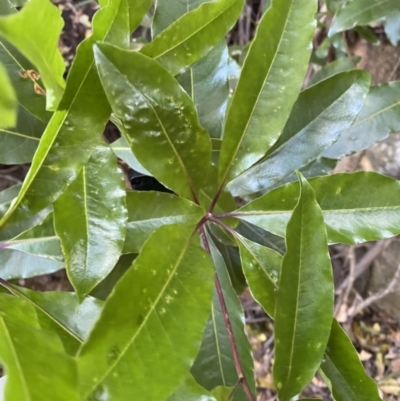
228, 326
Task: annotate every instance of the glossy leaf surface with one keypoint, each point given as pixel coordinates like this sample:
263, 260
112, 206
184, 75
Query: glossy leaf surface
34, 31
169, 286
74, 317
193, 35
8, 103
75, 128
268, 85
353, 212
379, 117
313, 126
90, 219
392, 27
361, 12
124, 152
344, 369
160, 120
304, 300
214, 365
189, 390
261, 266
29, 375
150, 210
207, 83
137, 11
40, 240
330, 69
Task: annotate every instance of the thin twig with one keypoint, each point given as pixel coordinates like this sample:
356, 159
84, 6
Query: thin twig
377, 296
228, 326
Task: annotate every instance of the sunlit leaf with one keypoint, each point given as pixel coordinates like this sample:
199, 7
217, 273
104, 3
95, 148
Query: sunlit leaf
304, 300
35, 31
75, 128
358, 207
263, 97
312, 127
148, 211
379, 117
8, 104
137, 11
90, 219
169, 286
193, 35
361, 12
160, 120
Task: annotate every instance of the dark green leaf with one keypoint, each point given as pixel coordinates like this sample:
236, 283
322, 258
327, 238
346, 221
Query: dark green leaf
90, 219
8, 101
169, 286
35, 31
342, 366
23, 344
148, 211
261, 266
304, 300
159, 118
268, 86
361, 12
193, 35
214, 365
313, 126
75, 128
358, 207
379, 117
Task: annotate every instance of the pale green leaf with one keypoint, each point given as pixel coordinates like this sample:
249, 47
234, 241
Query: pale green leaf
90, 219
169, 286
392, 27
189, 390
35, 32
8, 101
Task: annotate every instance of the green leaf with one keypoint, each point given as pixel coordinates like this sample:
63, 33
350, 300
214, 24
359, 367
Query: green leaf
268, 85
75, 128
261, 266
193, 35
160, 119
19, 144
379, 117
344, 369
333, 68
168, 287
90, 219
392, 27
358, 207
22, 346
361, 12
137, 11
74, 317
189, 390
35, 31
207, 83
214, 365
8, 101
123, 151
150, 210
103, 290
40, 240
304, 301
13, 230
312, 127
